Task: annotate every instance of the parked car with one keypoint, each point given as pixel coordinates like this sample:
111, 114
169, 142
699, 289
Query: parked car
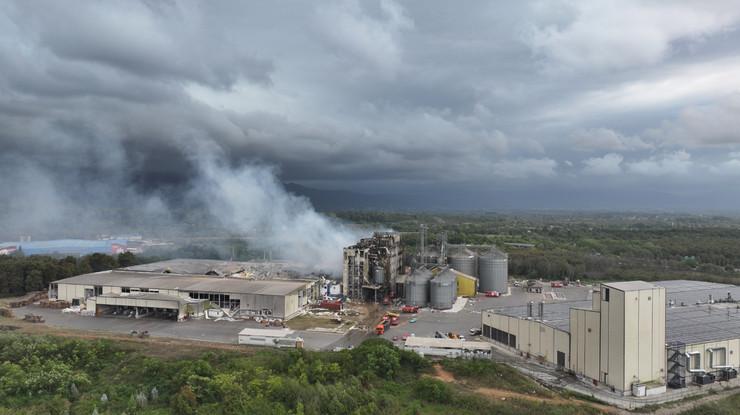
413, 320
556, 284
475, 331
493, 294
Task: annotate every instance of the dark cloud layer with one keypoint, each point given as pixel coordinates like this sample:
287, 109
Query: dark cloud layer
511, 104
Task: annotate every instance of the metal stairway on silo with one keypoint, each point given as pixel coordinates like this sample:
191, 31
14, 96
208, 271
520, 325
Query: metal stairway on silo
677, 365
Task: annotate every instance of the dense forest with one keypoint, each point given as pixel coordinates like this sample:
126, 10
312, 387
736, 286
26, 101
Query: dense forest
49, 375
21, 274
586, 246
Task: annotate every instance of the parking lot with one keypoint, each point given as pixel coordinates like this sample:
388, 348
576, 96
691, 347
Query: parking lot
204, 330
429, 321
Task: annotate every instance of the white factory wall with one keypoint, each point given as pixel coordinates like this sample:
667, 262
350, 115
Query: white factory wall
644, 333
280, 306
585, 339
612, 339
732, 353
532, 336
632, 337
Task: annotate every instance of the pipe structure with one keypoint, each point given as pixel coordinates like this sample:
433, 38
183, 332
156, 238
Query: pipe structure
711, 353
688, 367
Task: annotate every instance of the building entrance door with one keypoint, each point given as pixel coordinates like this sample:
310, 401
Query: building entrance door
561, 359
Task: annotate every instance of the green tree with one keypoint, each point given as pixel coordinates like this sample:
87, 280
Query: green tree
184, 402
127, 259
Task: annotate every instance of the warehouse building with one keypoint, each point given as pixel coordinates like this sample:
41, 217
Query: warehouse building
632, 337
179, 295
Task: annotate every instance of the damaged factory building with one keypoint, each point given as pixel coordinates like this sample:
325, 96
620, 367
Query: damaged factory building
372, 266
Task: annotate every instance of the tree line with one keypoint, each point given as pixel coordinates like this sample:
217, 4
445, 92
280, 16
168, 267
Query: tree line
21, 274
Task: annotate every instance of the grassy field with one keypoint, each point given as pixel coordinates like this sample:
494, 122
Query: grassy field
725, 406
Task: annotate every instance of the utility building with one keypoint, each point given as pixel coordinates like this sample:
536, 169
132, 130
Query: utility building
632, 337
371, 266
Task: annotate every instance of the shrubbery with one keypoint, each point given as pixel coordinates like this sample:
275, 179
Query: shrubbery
48, 375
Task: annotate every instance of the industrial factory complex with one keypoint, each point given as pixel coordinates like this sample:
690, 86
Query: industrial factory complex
629, 338
635, 338
180, 289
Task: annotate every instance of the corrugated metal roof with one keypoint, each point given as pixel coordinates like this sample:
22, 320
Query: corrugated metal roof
630, 285
686, 322
266, 332
150, 296
118, 278
204, 266
446, 343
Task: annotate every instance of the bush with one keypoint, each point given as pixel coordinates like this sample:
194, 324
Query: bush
432, 390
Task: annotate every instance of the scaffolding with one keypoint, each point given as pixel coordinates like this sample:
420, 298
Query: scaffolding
677, 362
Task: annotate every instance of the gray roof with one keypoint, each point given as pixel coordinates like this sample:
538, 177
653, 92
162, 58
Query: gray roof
255, 269
692, 320
119, 278
630, 285
152, 296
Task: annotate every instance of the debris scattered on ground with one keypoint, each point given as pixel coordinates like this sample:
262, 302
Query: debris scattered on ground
33, 318
27, 299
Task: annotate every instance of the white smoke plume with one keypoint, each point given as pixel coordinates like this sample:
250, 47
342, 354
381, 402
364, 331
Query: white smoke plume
250, 200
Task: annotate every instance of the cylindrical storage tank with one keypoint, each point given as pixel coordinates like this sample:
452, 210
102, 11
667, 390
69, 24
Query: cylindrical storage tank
378, 275
443, 290
493, 272
417, 288
464, 262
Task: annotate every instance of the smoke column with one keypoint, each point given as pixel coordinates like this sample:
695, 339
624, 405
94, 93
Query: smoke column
251, 200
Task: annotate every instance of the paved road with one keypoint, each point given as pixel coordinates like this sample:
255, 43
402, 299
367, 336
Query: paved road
206, 330
429, 321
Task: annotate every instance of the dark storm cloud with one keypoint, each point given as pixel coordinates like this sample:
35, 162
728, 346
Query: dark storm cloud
122, 95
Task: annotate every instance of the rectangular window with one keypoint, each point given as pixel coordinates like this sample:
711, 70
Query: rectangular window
718, 357
606, 294
125, 289
98, 290
695, 361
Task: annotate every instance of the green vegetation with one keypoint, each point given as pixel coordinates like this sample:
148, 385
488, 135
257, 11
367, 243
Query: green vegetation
487, 373
21, 274
725, 406
49, 375
587, 246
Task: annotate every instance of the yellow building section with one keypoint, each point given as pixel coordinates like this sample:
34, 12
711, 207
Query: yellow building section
466, 285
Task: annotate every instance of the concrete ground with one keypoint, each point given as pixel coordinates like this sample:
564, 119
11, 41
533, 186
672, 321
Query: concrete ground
429, 321
205, 330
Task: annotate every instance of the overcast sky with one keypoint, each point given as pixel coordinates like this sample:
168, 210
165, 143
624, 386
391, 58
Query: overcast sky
575, 104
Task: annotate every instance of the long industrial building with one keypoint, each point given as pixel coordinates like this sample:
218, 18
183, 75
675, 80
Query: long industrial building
185, 288
632, 337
